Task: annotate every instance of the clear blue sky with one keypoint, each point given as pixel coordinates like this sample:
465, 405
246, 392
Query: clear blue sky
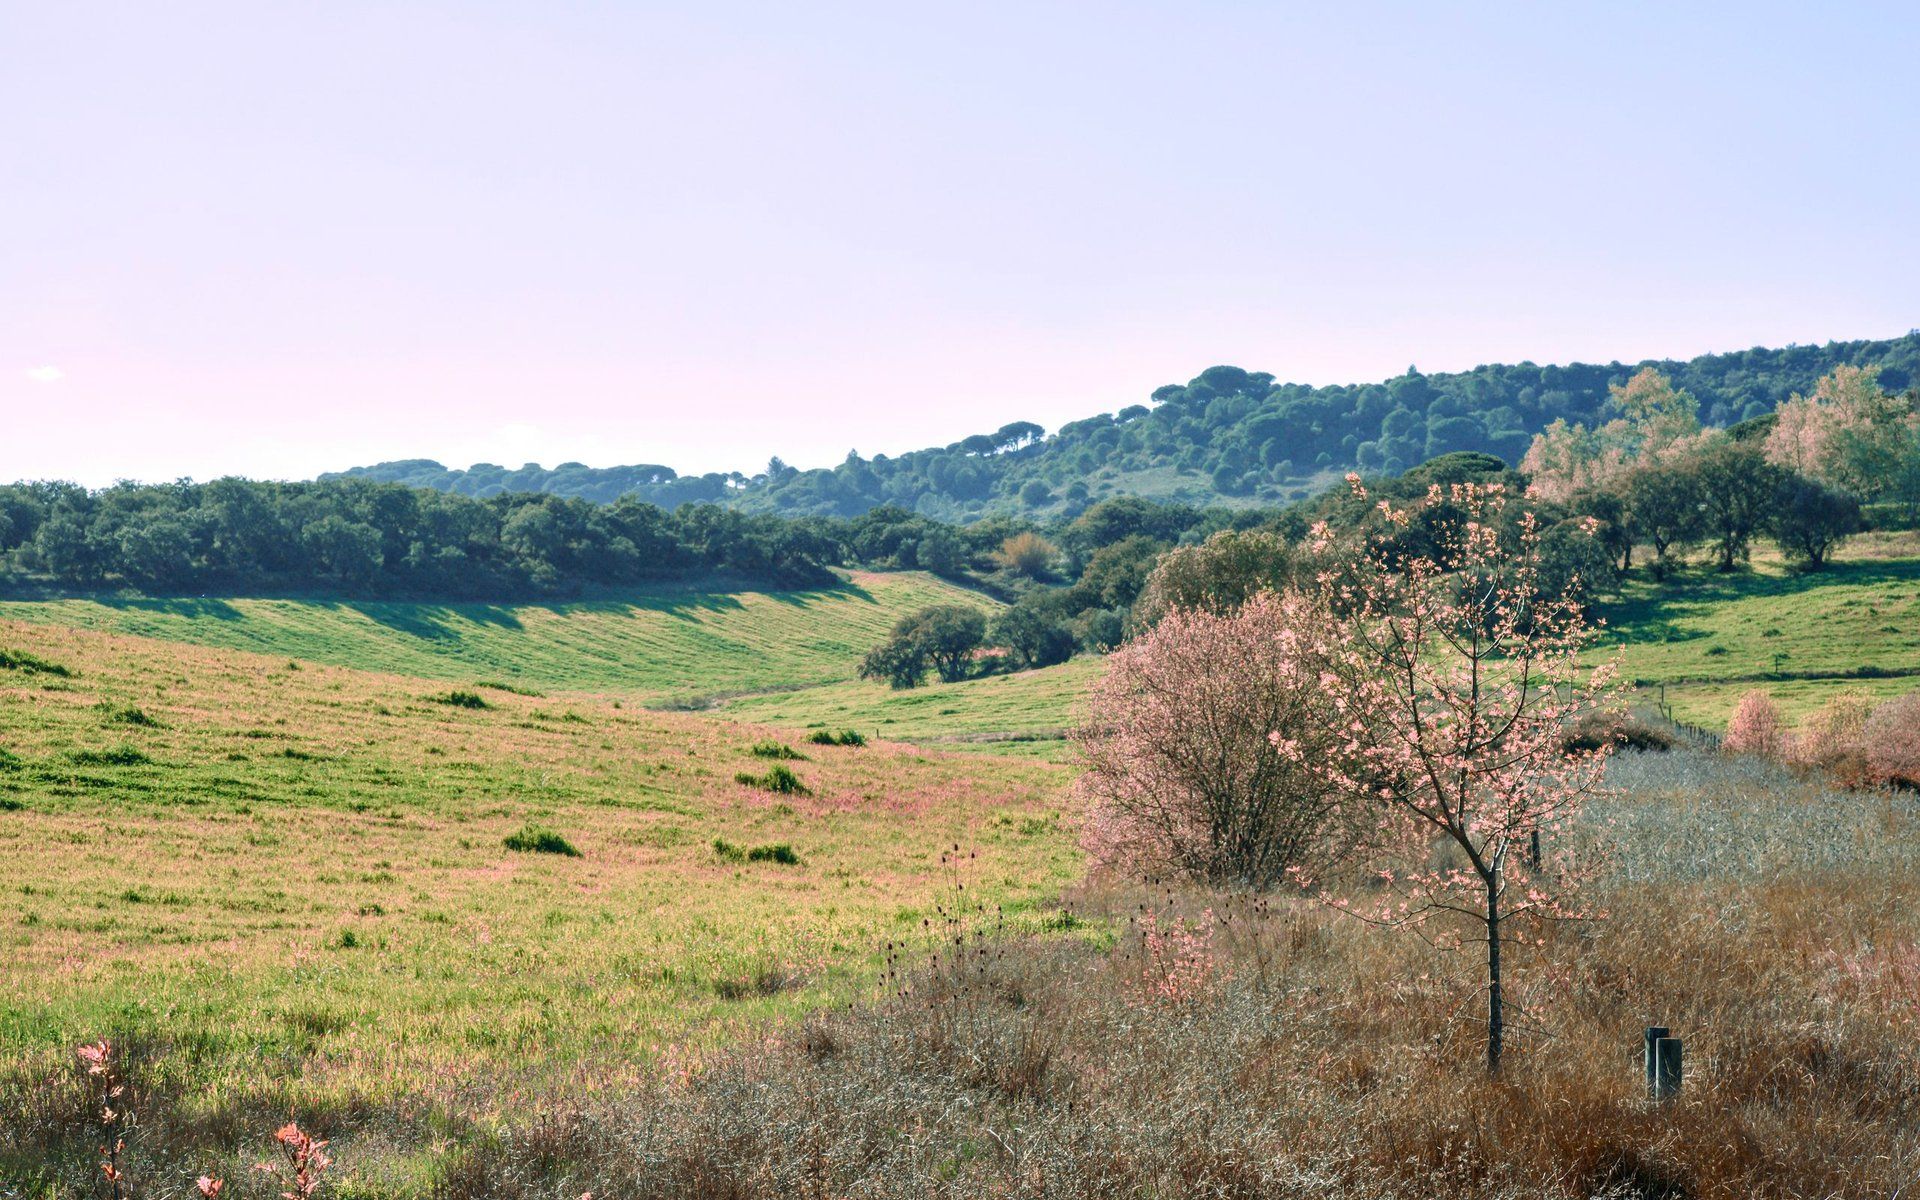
275, 239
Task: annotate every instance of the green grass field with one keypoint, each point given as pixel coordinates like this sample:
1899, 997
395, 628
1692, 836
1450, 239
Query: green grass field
1708, 638
663, 643
1026, 713
293, 882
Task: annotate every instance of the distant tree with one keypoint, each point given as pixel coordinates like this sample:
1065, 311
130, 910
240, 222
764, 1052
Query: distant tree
157, 551
1034, 635
1737, 488
943, 636
1668, 508
1849, 434
899, 662
347, 550
1810, 519
1116, 574
1218, 575
1035, 493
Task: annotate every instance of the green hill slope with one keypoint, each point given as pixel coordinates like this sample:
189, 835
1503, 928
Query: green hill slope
658, 645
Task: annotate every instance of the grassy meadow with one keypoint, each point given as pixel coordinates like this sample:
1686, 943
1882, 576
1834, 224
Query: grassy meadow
667, 644
289, 884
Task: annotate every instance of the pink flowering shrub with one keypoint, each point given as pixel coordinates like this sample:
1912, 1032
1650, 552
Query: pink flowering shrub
1892, 740
1833, 739
1756, 727
1181, 778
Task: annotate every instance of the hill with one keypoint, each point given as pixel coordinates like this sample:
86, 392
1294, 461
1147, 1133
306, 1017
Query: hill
662, 645
1226, 436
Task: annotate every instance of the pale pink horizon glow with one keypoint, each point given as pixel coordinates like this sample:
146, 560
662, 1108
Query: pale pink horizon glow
276, 241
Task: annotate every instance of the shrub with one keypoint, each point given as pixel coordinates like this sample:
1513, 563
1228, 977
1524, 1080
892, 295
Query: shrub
776, 852
534, 839
1599, 728
776, 750
1756, 727
128, 715
1834, 738
461, 699
777, 779
1181, 774
1028, 554
1892, 738
846, 737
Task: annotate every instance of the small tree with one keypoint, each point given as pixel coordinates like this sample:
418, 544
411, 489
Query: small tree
1737, 487
1180, 775
948, 634
1035, 636
1756, 727
1220, 574
899, 662
1450, 680
1810, 519
1667, 509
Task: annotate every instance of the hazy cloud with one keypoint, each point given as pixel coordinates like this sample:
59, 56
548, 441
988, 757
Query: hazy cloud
46, 374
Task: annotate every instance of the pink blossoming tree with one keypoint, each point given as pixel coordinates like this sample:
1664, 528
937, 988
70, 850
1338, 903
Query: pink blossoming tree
1450, 679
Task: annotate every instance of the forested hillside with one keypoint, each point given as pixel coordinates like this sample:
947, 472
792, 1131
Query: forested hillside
1228, 435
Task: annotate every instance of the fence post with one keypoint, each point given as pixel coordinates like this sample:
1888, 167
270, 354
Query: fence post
1663, 1062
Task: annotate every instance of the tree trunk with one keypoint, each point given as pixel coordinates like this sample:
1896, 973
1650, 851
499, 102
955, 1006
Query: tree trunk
1496, 1007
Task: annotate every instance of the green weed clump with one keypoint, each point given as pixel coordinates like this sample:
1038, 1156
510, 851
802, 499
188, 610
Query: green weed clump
778, 779
128, 715
776, 852
513, 688
460, 699
846, 737
533, 839
118, 756
20, 660
776, 750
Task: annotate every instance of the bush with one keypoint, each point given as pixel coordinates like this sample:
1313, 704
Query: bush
846, 737
533, 839
1597, 728
1181, 773
464, 700
1028, 553
776, 750
777, 852
1892, 738
128, 715
1756, 727
1035, 637
778, 779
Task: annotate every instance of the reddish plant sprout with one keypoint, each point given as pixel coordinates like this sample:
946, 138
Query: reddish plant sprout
1756, 727
106, 1091
305, 1161
1450, 677
208, 1186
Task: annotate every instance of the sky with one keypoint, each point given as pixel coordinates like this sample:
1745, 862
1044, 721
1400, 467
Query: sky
275, 239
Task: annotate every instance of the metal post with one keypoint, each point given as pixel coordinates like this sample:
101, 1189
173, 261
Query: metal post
1654, 1034
1666, 1053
